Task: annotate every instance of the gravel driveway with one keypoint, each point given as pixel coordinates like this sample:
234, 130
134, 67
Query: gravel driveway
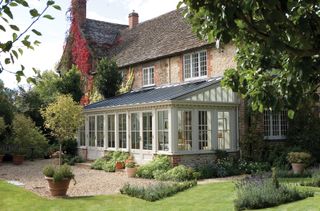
89, 182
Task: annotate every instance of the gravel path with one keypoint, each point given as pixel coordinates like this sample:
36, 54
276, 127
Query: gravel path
89, 182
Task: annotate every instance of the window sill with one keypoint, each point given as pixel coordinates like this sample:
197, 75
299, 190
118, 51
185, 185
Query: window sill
196, 78
148, 85
275, 138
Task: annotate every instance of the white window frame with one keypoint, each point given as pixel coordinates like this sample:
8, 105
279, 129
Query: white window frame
226, 130
163, 130
122, 131
101, 130
183, 130
200, 65
92, 131
82, 135
204, 128
148, 130
282, 128
111, 131
148, 76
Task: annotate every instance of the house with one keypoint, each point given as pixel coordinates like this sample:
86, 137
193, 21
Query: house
175, 105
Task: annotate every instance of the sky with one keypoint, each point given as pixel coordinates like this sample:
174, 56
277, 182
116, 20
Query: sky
47, 55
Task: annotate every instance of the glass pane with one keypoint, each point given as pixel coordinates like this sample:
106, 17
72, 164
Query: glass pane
100, 135
111, 131
163, 141
122, 131
147, 131
92, 131
135, 131
184, 130
187, 66
224, 138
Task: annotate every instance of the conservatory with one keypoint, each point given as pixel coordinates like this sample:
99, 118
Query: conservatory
177, 120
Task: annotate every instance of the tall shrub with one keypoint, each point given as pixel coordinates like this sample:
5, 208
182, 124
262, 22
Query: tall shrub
108, 78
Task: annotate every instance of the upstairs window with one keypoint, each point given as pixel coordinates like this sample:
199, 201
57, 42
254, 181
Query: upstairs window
148, 76
195, 65
275, 124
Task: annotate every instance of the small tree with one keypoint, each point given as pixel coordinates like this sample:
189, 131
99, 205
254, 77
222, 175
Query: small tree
108, 79
2, 125
63, 117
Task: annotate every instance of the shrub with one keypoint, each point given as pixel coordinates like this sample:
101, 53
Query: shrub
58, 173
160, 163
227, 167
221, 154
130, 165
289, 174
207, 171
179, 173
256, 193
70, 147
71, 160
299, 157
108, 162
156, 192
315, 182
250, 167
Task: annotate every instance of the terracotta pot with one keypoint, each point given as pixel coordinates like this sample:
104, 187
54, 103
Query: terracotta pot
59, 188
131, 172
128, 161
297, 168
1, 158
119, 165
18, 159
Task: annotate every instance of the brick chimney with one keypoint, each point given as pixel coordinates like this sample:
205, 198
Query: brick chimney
79, 10
133, 19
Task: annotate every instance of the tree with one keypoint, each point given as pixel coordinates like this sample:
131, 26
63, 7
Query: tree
10, 49
108, 78
63, 117
71, 83
6, 107
278, 48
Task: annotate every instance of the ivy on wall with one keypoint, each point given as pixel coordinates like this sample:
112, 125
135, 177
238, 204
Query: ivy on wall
127, 87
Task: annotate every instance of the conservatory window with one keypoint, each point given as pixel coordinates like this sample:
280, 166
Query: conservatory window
92, 128
195, 65
224, 136
122, 131
111, 131
82, 135
100, 135
275, 124
135, 131
148, 76
184, 130
147, 131
163, 136
203, 130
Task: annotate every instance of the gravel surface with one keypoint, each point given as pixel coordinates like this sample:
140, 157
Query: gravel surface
89, 182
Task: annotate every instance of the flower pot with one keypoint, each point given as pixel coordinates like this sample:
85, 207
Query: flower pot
131, 172
297, 168
1, 158
129, 160
18, 159
59, 188
119, 165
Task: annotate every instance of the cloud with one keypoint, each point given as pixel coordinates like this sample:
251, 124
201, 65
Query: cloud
96, 16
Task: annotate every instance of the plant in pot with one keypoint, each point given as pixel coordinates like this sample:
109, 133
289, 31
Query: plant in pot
129, 159
298, 161
58, 179
131, 169
119, 165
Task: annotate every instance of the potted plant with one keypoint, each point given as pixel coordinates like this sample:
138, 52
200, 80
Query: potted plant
129, 159
119, 165
298, 161
131, 169
18, 155
58, 179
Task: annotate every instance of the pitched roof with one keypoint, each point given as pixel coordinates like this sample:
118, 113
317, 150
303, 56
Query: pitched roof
155, 94
165, 35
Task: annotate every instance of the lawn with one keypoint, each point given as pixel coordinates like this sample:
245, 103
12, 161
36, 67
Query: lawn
215, 196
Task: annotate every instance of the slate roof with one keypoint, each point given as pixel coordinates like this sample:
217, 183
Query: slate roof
165, 35
152, 95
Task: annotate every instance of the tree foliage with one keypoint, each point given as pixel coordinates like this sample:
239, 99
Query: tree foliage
278, 47
6, 107
63, 117
108, 78
2, 125
11, 46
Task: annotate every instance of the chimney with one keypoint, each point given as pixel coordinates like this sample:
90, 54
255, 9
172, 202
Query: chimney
79, 10
133, 19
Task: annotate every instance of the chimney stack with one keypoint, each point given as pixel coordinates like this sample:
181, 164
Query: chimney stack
79, 10
133, 19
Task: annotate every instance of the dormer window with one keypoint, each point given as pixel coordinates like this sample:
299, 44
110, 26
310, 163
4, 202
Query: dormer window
195, 65
148, 76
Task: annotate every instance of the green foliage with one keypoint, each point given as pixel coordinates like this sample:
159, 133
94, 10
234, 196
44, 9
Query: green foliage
63, 117
277, 65
70, 83
10, 45
304, 132
299, 157
2, 125
315, 181
26, 136
159, 163
257, 193
207, 171
156, 192
71, 159
178, 174
6, 106
58, 173
283, 173
108, 78
130, 165
108, 162
221, 154
70, 147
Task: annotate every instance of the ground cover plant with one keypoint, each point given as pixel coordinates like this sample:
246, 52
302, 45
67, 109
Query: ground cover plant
108, 162
157, 191
261, 192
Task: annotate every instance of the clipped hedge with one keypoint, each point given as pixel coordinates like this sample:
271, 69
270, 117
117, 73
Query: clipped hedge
159, 164
178, 174
156, 192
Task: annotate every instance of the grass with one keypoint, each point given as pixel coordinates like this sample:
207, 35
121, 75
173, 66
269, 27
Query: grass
215, 196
